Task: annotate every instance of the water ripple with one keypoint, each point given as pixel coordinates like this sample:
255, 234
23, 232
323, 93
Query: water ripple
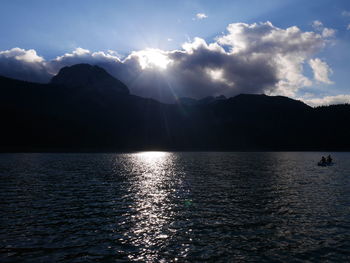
174, 207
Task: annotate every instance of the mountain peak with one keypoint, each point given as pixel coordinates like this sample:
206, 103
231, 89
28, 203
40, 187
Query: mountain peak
90, 77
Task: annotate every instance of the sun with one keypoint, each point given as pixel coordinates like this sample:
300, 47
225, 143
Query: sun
153, 58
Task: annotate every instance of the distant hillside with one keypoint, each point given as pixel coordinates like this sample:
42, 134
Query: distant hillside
86, 109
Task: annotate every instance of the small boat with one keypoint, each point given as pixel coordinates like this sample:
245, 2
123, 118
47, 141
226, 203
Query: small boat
325, 163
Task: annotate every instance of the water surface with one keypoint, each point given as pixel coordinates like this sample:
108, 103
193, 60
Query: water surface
168, 207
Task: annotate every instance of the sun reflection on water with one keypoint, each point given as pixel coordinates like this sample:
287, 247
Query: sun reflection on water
155, 183
152, 156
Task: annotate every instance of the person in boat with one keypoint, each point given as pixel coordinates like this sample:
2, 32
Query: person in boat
323, 160
329, 159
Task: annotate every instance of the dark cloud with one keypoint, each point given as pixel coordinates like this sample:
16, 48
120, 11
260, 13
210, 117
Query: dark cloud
249, 58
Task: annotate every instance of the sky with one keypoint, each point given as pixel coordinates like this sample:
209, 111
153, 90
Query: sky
170, 49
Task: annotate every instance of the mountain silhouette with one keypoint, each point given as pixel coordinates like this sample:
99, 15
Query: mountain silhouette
92, 78
206, 100
83, 108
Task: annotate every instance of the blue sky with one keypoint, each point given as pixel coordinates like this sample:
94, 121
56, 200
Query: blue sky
53, 27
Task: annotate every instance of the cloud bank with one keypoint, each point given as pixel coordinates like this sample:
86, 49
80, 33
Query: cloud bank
328, 100
248, 58
23, 64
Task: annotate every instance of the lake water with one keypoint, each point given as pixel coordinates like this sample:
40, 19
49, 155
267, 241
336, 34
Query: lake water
168, 207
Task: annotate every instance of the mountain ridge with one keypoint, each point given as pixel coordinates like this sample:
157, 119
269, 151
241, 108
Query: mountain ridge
56, 117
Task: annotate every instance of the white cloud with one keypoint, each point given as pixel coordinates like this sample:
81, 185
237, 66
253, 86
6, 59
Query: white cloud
326, 32
321, 70
201, 16
113, 53
199, 43
29, 55
285, 50
266, 38
348, 27
317, 24
328, 100
81, 55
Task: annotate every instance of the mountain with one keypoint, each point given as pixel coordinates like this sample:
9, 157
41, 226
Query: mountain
92, 78
75, 112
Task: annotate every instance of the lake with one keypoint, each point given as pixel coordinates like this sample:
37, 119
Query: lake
174, 207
